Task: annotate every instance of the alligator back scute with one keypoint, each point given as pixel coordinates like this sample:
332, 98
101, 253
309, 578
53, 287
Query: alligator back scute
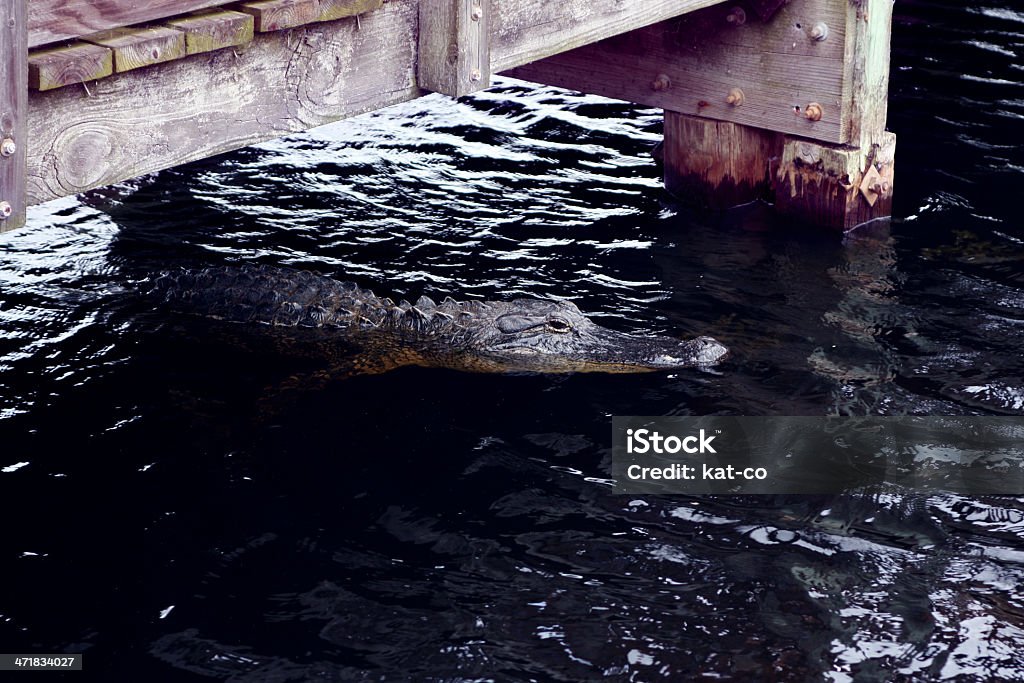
258, 295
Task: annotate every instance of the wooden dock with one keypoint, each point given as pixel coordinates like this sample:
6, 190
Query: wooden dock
776, 99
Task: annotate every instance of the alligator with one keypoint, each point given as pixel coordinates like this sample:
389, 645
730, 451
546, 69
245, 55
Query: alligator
521, 335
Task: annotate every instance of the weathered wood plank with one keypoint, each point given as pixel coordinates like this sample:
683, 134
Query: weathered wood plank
76, 63
13, 102
339, 9
276, 15
524, 31
717, 163
137, 47
692, 64
214, 30
191, 109
50, 21
455, 46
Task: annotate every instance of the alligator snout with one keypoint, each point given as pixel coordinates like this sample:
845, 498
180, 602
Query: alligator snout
709, 350
699, 351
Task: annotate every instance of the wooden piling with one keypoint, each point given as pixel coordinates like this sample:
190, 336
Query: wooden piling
13, 105
733, 159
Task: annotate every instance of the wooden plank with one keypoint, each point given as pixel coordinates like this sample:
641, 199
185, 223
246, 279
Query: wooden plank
339, 9
523, 31
454, 45
716, 163
59, 66
50, 21
150, 119
137, 47
692, 64
13, 100
276, 15
211, 31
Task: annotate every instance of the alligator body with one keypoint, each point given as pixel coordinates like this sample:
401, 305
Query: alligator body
521, 335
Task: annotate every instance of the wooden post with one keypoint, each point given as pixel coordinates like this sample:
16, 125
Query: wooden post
455, 57
841, 187
723, 164
13, 103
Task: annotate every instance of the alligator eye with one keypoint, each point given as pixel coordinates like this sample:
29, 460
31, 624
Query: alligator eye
557, 325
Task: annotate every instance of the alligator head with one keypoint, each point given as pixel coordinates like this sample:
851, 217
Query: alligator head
531, 335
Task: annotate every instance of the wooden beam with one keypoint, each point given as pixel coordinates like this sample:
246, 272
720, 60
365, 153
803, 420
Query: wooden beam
692, 64
214, 30
137, 47
59, 66
150, 119
454, 43
50, 21
523, 31
276, 15
339, 9
13, 102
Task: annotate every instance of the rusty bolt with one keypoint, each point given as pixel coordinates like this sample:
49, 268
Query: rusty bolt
881, 188
736, 16
813, 112
735, 97
661, 82
475, 75
819, 31
6, 210
477, 13
7, 147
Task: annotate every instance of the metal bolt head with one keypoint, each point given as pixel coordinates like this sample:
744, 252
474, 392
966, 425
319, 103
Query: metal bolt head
7, 147
735, 97
813, 112
819, 31
6, 210
477, 13
737, 16
475, 75
881, 188
661, 82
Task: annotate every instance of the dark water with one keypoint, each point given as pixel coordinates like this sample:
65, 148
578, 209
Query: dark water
175, 513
